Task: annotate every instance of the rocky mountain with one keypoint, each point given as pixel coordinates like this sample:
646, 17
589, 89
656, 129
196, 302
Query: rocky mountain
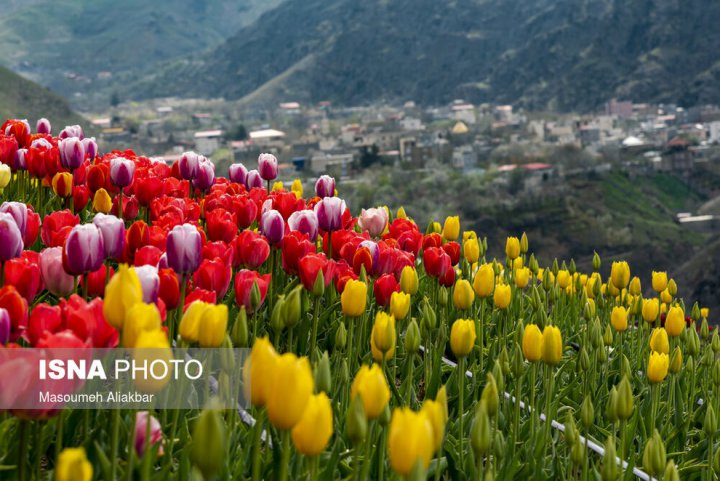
542, 54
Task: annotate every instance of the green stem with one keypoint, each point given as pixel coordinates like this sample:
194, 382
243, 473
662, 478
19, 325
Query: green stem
461, 409
285, 456
23, 453
313, 338
256, 464
131, 447
115, 432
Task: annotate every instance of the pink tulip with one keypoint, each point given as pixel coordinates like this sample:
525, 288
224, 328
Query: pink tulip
329, 212
72, 152
304, 221
268, 166
272, 226
43, 126
141, 419
325, 186
373, 220
56, 280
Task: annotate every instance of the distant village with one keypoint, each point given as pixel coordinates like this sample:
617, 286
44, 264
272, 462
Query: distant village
343, 141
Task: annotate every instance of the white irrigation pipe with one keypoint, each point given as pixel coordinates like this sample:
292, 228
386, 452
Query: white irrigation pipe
560, 427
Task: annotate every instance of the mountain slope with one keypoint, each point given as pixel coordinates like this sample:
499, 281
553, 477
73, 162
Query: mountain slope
21, 98
561, 54
65, 43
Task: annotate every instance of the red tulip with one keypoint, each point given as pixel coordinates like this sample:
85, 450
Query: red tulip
220, 225
61, 340
147, 255
213, 275
87, 322
309, 268
138, 235
148, 188
296, 245
130, 207
251, 249
57, 226
448, 278
169, 288
220, 250
246, 211
437, 262
244, 281
96, 281
383, 288
453, 250
432, 240
200, 295
24, 273
362, 257
98, 177
32, 228
17, 307
43, 318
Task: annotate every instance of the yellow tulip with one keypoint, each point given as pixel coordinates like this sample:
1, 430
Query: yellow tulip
257, 371
102, 202
650, 309
354, 298
297, 188
277, 186
532, 343
522, 277
462, 337
437, 228
501, 297
5, 176
190, 322
620, 274
471, 250
659, 341
141, 317
517, 263
62, 184
410, 440
705, 312
635, 288
463, 295
666, 297
659, 281
552, 345
563, 279
384, 336
401, 213
213, 326
399, 305
658, 365
121, 294
618, 318
512, 248
288, 390
451, 228
469, 234
409, 280
72, 465
312, 433
152, 346
675, 321
435, 413
372, 387
484, 281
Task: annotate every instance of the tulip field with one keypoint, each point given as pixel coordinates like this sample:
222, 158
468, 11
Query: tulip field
379, 346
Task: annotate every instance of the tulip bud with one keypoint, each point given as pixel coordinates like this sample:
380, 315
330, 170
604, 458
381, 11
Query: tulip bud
690, 364
716, 461
344, 376
517, 363
625, 399
490, 396
255, 298
672, 287
385, 416
601, 355
671, 472
323, 377
319, 285
625, 364
587, 412
443, 297
355, 423
429, 320
695, 313
276, 320
480, 431
693, 343
675, 360
704, 329
710, 422
341, 337
207, 451
412, 337
533, 264
571, 433
596, 262
577, 454
292, 308
611, 411
716, 373
715, 341
607, 336
584, 360
609, 470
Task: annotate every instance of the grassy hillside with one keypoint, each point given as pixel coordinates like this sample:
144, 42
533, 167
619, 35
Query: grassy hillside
619, 217
21, 98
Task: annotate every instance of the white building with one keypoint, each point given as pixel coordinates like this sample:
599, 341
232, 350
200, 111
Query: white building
208, 141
